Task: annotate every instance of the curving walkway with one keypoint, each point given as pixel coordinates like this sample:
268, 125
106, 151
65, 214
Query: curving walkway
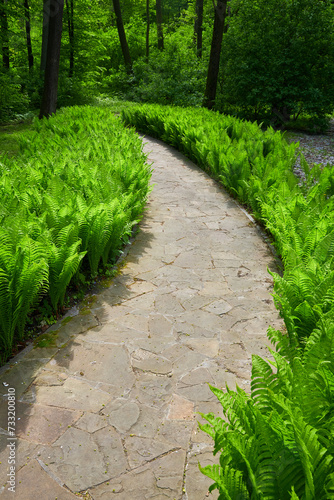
107, 404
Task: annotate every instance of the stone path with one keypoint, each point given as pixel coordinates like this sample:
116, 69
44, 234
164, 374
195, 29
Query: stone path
107, 403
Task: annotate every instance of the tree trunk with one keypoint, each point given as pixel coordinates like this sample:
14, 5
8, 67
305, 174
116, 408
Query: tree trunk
213, 69
45, 35
147, 30
49, 100
28, 37
122, 37
199, 27
4, 34
70, 22
158, 7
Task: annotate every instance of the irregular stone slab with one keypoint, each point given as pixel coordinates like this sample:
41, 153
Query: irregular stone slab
49, 378
106, 312
148, 423
135, 321
159, 325
122, 414
218, 307
82, 460
32, 482
155, 344
145, 301
175, 432
208, 347
97, 362
72, 326
25, 453
74, 394
196, 483
140, 482
90, 422
153, 390
194, 386
193, 260
150, 362
43, 424
189, 360
202, 319
20, 376
180, 409
168, 304
113, 333
141, 450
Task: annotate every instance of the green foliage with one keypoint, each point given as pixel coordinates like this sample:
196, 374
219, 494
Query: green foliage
248, 161
276, 443
13, 100
278, 59
173, 76
85, 185
279, 439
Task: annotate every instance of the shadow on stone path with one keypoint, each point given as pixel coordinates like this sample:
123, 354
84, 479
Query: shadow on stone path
109, 406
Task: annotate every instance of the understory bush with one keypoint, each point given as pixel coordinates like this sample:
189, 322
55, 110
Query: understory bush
13, 100
277, 442
69, 202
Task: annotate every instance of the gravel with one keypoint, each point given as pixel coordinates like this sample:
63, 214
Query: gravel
317, 149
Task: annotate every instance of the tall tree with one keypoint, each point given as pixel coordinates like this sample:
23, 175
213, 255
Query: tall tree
4, 33
199, 27
70, 23
158, 6
49, 99
213, 69
45, 35
122, 37
28, 37
147, 29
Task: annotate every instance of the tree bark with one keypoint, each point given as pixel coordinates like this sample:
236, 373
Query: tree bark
147, 30
158, 7
49, 100
4, 34
122, 37
213, 69
199, 27
45, 35
70, 23
28, 37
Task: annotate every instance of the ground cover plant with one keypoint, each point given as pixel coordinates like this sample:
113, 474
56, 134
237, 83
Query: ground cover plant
69, 201
277, 442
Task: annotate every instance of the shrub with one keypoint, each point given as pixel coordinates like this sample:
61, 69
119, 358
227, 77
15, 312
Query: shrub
85, 185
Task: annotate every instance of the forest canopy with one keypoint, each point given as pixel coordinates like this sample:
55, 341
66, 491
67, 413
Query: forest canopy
275, 57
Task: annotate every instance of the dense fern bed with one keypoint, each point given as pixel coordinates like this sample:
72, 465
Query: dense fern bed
69, 201
278, 442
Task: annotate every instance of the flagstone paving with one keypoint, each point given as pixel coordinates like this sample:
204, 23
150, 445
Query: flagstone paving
108, 408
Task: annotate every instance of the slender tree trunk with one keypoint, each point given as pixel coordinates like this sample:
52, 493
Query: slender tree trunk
213, 69
70, 23
4, 37
28, 37
147, 30
199, 27
158, 7
49, 100
45, 35
122, 37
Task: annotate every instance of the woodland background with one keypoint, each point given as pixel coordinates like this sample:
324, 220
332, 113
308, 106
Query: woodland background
276, 60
